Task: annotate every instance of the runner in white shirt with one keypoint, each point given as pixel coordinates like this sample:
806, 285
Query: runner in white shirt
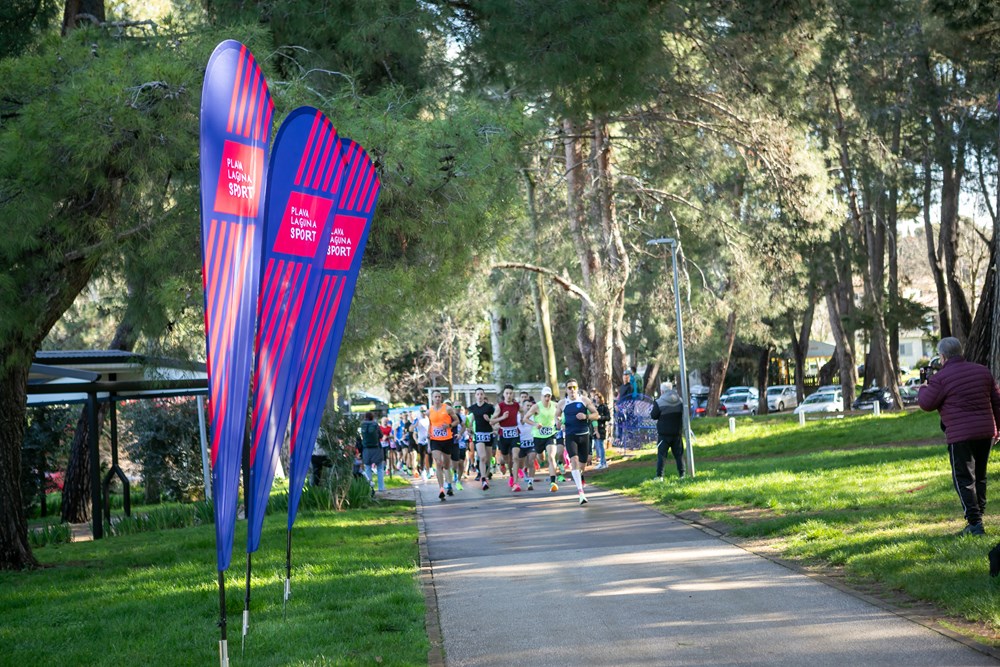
421, 428
527, 450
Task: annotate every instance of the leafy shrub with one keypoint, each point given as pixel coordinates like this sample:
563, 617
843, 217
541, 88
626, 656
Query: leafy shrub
49, 428
338, 437
163, 437
56, 533
359, 493
162, 518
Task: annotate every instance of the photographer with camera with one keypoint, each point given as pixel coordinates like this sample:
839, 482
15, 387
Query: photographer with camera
966, 396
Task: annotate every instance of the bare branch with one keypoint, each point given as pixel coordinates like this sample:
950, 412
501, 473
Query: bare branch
572, 288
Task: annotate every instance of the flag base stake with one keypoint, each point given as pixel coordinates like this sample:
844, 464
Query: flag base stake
288, 572
246, 611
223, 644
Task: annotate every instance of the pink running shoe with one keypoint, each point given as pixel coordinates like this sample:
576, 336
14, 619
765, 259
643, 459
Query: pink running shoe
520, 473
510, 482
517, 487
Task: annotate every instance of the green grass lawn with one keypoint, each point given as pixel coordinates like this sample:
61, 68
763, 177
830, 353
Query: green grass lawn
837, 493
152, 598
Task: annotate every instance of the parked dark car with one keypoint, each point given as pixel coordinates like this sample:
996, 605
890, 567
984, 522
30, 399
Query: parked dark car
908, 394
866, 400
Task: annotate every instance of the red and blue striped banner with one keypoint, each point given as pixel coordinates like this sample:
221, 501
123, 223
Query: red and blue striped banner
351, 223
304, 186
236, 112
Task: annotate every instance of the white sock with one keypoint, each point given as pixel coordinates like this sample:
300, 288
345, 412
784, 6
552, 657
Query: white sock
576, 478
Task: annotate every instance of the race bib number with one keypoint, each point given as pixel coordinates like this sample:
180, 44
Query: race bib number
545, 431
512, 432
484, 437
440, 431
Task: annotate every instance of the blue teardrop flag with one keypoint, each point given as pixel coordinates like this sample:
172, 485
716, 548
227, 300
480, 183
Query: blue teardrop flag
303, 189
236, 112
351, 223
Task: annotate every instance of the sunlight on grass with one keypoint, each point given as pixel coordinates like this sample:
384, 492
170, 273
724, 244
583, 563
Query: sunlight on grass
836, 492
355, 598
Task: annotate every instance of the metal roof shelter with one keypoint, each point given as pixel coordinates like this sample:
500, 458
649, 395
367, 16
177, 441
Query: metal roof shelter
92, 377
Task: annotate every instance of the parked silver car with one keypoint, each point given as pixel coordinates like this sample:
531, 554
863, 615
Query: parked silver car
781, 396
740, 390
822, 401
741, 403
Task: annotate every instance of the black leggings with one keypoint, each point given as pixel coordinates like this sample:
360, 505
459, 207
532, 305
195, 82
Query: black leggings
670, 443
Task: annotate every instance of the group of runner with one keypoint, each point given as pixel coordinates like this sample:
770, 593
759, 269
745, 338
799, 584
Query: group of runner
514, 435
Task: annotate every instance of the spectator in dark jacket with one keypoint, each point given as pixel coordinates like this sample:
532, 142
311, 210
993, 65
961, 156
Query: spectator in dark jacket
600, 430
668, 411
371, 450
625, 391
966, 396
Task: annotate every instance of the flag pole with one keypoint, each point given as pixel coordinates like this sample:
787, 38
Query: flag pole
288, 572
246, 610
223, 643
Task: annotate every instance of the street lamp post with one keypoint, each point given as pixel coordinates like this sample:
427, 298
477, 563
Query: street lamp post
689, 453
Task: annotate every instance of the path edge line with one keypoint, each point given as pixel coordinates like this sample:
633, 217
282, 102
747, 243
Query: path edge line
432, 618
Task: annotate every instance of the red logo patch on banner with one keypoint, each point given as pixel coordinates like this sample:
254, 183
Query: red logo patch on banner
301, 224
238, 192
343, 242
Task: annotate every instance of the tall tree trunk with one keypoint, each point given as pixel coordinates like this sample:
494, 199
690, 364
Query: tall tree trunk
81, 8
763, 364
800, 343
543, 322
599, 330
60, 289
719, 367
933, 258
951, 189
540, 297
586, 331
650, 380
878, 367
618, 264
76, 497
992, 321
981, 347
496, 349
15, 552
892, 220
845, 358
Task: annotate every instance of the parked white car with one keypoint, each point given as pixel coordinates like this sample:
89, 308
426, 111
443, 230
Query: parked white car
781, 396
740, 390
822, 401
742, 403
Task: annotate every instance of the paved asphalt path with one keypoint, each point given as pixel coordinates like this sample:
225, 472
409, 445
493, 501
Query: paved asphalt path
534, 578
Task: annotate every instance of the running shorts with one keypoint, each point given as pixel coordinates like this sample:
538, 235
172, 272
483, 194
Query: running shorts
441, 446
527, 447
507, 444
456, 452
542, 443
578, 445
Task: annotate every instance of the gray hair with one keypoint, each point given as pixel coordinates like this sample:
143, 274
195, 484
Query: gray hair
949, 347
664, 387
